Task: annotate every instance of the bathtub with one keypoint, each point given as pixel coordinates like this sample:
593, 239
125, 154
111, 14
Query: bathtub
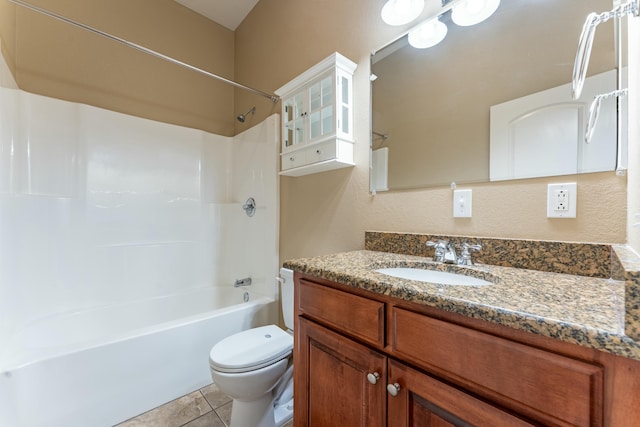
102, 366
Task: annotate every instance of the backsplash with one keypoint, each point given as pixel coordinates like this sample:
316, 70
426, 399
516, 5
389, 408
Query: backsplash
583, 259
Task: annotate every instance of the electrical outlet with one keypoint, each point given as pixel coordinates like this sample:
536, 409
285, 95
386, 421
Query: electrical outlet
561, 200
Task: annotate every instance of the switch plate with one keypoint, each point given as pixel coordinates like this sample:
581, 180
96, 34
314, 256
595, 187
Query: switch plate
561, 200
462, 203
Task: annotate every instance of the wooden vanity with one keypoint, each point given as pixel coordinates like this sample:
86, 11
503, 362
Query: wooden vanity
365, 358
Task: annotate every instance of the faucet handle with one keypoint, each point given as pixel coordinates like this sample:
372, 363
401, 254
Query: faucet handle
471, 248
439, 247
440, 244
465, 256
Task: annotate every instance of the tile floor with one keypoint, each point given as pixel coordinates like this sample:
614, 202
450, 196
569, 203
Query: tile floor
207, 407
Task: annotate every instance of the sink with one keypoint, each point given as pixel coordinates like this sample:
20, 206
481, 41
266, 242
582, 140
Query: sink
433, 276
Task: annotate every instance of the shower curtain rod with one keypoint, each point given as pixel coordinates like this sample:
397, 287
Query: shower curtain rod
273, 98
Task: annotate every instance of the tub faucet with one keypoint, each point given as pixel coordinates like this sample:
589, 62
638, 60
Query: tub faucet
242, 282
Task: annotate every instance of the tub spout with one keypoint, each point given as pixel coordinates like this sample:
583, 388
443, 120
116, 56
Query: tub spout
242, 282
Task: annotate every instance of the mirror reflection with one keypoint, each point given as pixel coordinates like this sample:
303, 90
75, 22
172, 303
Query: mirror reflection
431, 107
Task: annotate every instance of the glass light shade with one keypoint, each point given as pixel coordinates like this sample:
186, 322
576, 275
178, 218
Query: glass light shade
400, 12
428, 34
472, 12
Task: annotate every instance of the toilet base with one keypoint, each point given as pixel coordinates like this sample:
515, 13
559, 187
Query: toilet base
283, 413
258, 413
261, 413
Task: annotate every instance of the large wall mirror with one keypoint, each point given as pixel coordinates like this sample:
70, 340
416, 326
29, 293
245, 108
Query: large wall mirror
432, 108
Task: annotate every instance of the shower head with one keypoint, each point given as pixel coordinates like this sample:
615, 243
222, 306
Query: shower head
241, 118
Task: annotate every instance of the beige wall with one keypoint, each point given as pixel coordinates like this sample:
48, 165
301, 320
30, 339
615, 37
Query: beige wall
55, 59
319, 213
330, 211
7, 33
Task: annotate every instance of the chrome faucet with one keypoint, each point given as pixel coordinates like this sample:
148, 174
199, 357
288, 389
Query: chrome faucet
242, 282
445, 252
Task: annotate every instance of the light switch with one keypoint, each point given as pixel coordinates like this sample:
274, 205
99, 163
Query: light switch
462, 203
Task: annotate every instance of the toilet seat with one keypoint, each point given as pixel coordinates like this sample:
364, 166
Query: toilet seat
251, 349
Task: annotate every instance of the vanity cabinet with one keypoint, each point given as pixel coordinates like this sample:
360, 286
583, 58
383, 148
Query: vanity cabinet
337, 391
364, 359
317, 118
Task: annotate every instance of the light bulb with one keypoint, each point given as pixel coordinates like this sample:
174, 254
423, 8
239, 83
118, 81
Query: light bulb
400, 12
471, 12
473, 7
428, 34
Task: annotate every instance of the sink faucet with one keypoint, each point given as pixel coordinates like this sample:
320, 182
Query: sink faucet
445, 252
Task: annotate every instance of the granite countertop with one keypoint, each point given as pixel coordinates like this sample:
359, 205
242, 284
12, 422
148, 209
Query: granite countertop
582, 310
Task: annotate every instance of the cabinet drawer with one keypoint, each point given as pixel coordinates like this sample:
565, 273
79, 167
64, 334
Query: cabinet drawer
321, 152
293, 160
543, 386
353, 315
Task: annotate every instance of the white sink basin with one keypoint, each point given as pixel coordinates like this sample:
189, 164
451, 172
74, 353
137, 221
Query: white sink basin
433, 276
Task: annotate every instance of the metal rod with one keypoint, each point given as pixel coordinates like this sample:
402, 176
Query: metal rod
381, 135
273, 98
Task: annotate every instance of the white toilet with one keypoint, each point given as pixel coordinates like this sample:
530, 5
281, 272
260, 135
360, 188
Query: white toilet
255, 368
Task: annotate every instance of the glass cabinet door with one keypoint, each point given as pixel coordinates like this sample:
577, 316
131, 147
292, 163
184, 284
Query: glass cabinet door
344, 103
321, 108
294, 114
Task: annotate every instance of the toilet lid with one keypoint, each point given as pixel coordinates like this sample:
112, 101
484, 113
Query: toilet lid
251, 349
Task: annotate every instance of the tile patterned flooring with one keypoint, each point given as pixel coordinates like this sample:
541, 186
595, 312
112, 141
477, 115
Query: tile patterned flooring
207, 407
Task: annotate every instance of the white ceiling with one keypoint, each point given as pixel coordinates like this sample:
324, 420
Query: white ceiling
229, 13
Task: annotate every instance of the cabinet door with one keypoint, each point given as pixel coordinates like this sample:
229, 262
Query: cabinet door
424, 401
332, 386
293, 118
322, 101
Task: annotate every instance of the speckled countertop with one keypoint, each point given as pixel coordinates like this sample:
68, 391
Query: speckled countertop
582, 310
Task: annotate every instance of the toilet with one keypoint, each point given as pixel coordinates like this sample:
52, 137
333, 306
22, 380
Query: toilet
255, 368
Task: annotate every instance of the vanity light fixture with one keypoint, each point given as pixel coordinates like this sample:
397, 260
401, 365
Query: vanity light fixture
400, 12
433, 31
471, 12
428, 34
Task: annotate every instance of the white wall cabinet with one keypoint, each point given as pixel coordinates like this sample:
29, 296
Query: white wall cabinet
317, 118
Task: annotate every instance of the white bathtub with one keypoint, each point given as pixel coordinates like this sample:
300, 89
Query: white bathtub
102, 366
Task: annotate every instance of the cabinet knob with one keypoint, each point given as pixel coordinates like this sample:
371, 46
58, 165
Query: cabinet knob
292, 158
318, 152
393, 389
373, 377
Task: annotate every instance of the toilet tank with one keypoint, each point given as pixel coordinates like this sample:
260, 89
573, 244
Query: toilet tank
286, 296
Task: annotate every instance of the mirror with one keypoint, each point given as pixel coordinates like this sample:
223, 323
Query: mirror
431, 107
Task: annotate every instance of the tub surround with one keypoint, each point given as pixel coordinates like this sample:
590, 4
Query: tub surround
588, 309
122, 237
